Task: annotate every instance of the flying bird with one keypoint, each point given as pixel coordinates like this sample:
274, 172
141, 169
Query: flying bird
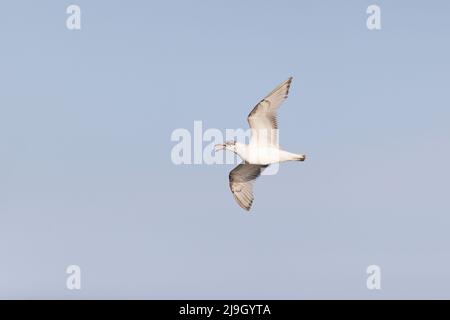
263, 148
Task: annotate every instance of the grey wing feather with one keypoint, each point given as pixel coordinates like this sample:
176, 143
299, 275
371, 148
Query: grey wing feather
263, 118
241, 183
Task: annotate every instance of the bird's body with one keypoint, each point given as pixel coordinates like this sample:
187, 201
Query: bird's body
263, 149
265, 154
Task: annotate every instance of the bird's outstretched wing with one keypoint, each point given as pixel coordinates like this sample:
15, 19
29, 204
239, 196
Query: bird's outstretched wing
241, 182
263, 118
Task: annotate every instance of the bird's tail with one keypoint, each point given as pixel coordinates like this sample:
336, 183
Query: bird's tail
300, 157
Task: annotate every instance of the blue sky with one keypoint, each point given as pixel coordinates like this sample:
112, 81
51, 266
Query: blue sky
86, 176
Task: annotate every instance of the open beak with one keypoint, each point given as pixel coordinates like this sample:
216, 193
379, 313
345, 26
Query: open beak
218, 147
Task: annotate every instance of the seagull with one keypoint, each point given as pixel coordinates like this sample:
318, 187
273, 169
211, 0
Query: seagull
263, 149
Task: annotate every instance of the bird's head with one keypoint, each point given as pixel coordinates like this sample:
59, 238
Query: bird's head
229, 145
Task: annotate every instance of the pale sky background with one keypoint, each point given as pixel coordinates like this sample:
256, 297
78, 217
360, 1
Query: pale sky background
86, 176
